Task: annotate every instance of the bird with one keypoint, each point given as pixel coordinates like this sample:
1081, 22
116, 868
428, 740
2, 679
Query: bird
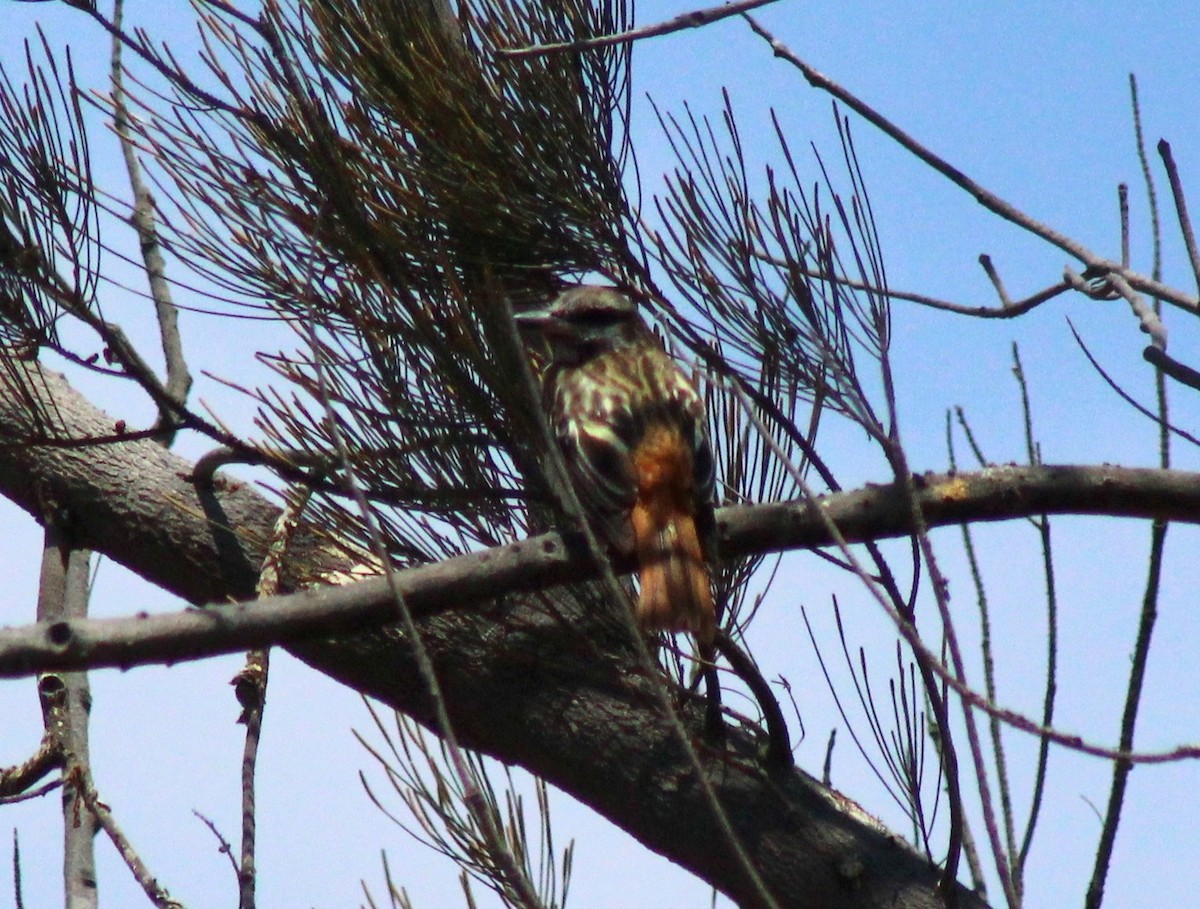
632, 430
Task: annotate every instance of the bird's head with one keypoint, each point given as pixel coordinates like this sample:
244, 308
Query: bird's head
585, 321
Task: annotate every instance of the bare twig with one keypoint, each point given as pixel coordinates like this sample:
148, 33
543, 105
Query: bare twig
1137, 673
250, 686
18, 896
1181, 206
156, 893
179, 380
18, 778
1177, 193
984, 196
997, 282
1158, 360
36, 793
693, 19
1009, 309
779, 746
989, 675
1042, 525
1143, 156
223, 844
1158, 538
1123, 210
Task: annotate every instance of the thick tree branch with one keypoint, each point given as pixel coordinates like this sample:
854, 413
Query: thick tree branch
533, 681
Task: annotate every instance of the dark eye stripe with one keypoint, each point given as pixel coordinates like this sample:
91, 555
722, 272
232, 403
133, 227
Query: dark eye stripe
596, 317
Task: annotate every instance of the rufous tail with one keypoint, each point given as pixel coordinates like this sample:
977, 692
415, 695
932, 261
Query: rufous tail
675, 593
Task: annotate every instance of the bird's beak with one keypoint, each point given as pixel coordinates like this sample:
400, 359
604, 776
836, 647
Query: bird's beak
544, 321
534, 318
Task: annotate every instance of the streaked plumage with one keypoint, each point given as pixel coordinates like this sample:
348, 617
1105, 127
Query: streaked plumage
632, 430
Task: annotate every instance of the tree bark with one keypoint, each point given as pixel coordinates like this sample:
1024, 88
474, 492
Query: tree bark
522, 683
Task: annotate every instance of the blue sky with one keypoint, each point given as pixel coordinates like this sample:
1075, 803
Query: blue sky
1032, 100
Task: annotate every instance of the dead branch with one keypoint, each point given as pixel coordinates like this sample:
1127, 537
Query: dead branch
694, 19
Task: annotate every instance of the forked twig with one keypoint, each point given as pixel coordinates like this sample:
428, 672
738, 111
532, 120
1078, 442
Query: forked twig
1008, 309
984, 196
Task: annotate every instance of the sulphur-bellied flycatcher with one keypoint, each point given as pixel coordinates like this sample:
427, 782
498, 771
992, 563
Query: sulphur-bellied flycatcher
631, 428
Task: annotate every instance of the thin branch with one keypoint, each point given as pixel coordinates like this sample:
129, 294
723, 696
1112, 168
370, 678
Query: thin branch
997, 282
18, 778
872, 513
1123, 210
36, 793
250, 687
157, 894
1137, 674
1158, 539
1042, 525
223, 844
1177, 193
1009, 309
18, 896
989, 673
693, 19
1139, 137
982, 195
179, 379
779, 746
1126, 396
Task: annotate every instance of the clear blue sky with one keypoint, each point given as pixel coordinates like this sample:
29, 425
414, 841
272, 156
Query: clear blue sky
1030, 99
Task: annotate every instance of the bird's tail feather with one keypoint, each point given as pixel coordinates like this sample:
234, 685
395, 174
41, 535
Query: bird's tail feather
675, 593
